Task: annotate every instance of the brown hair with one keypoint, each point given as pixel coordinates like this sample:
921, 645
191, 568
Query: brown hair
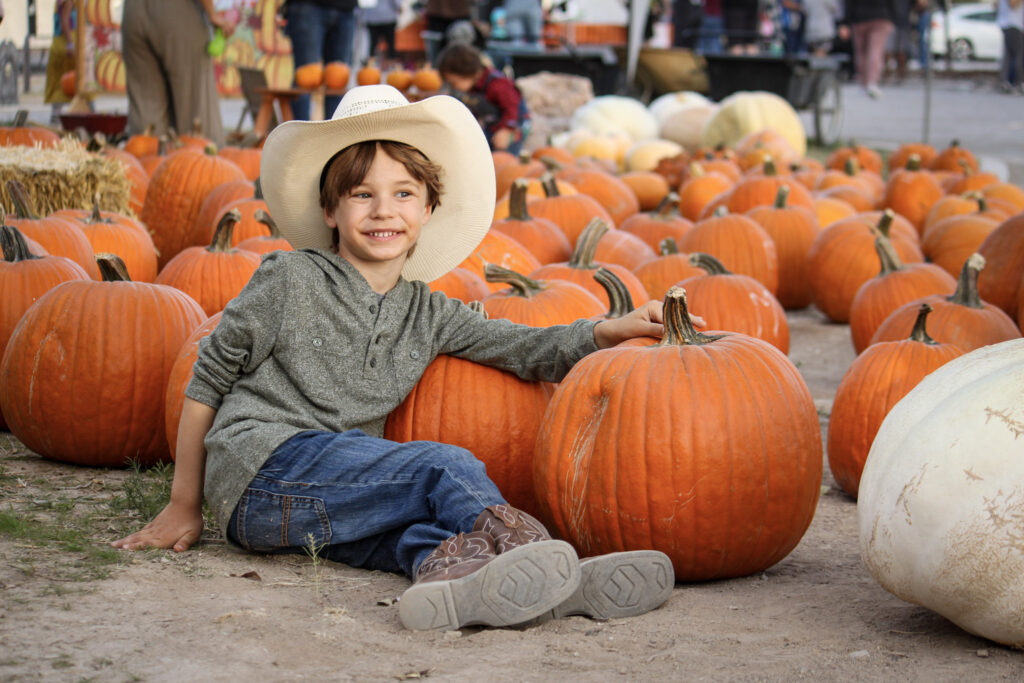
348, 168
460, 59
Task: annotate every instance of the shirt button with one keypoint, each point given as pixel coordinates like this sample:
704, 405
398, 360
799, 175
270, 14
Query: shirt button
373, 308
373, 362
318, 342
414, 354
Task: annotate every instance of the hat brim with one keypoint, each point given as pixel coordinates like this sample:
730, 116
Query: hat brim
441, 127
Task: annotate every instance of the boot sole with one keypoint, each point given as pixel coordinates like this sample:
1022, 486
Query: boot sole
620, 585
514, 587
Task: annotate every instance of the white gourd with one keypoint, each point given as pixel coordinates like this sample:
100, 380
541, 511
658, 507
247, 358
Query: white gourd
941, 501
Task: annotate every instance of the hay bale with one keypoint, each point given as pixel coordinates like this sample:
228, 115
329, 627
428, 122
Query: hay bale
65, 177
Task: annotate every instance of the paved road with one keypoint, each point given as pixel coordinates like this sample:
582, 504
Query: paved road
964, 108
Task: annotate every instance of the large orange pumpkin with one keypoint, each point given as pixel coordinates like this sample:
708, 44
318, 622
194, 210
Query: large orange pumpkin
500, 249
1003, 250
58, 235
633, 452
176, 193
181, 375
84, 374
571, 213
538, 303
875, 382
541, 236
654, 226
911, 192
114, 233
739, 243
461, 284
669, 267
792, 229
21, 133
264, 244
610, 192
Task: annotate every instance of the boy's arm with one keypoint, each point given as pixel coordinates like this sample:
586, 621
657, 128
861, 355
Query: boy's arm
180, 523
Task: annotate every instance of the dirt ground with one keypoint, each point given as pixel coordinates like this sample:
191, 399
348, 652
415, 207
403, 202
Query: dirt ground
215, 614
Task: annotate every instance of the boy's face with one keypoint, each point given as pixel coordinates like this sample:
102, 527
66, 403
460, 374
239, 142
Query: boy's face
463, 83
379, 220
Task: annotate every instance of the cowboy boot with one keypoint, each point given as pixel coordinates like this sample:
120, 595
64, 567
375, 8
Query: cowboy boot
463, 581
615, 585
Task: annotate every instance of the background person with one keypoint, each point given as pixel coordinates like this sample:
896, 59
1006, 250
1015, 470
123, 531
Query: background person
320, 31
1010, 17
870, 25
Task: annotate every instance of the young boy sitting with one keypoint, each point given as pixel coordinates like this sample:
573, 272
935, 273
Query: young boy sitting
494, 99
283, 419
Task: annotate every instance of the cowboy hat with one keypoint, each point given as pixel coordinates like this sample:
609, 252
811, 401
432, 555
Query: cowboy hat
441, 127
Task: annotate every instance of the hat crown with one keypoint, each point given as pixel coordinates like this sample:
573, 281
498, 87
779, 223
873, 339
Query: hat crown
364, 99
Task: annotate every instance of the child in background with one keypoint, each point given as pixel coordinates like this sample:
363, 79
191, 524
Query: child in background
493, 98
283, 419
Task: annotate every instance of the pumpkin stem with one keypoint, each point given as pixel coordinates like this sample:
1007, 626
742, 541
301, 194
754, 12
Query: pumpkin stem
678, 328
112, 268
550, 185
210, 150
667, 206
919, 333
887, 255
769, 166
964, 167
149, 130
478, 306
521, 285
161, 146
709, 263
884, 226
13, 244
586, 246
618, 294
23, 205
257, 189
263, 217
966, 293
524, 157
517, 200
551, 163
851, 167
696, 169
668, 246
781, 196
913, 163
95, 217
222, 235
20, 118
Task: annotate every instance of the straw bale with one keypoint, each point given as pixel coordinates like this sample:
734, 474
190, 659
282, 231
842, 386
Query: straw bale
65, 177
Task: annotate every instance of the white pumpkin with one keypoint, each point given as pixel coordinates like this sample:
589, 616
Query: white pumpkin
941, 501
614, 114
685, 126
670, 103
743, 113
644, 156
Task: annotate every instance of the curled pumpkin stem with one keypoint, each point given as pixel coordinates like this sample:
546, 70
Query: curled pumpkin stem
679, 329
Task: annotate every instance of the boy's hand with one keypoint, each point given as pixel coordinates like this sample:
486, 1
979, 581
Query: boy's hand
644, 321
177, 526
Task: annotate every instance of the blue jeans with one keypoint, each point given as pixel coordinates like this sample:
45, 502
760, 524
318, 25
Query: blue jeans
370, 502
318, 34
924, 38
711, 31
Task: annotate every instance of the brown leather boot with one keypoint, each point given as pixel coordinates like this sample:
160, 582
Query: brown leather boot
463, 581
510, 527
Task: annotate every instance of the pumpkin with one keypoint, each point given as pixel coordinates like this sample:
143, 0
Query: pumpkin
754, 149
807, 171
873, 384
216, 201
951, 241
969, 180
649, 187
136, 174
501, 250
1003, 250
264, 244
462, 284
743, 113
865, 157
427, 79
336, 75
399, 78
954, 158
610, 192
895, 285
113, 233
176, 193
940, 492
631, 454
84, 374
700, 189
21, 133
58, 235
661, 272
624, 249
368, 75
736, 303
508, 173
549, 153
843, 257
571, 213
538, 303
854, 195
828, 210
615, 115
144, 143
1007, 192
541, 236
69, 83
178, 380
958, 205
686, 125
961, 319
212, 275
24, 277
645, 155
247, 158
581, 266
792, 229
195, 138
911, 192
664, 106
309, 76
762, 190
654, 226
739, 243
926, 153
502, 439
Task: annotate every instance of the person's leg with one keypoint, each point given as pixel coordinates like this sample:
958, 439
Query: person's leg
859, 34
305, 29
924, 27
711, 29
148, 98
339, 34
1017, 58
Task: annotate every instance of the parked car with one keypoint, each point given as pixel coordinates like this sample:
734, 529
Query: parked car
973, 33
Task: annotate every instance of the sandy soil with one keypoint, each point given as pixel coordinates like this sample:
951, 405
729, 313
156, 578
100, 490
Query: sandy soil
214, 614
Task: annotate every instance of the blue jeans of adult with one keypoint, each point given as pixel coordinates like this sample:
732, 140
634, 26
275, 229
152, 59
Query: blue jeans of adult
711, 31
924, 37
318, 34
363, 501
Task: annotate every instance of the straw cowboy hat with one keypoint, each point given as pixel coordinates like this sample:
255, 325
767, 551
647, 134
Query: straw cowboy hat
441, 127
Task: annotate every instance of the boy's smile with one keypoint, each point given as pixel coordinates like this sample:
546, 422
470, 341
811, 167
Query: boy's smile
379, 221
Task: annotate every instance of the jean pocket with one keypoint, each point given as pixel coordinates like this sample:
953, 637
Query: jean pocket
274, 522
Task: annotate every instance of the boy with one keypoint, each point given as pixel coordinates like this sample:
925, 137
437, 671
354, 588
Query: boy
494, 99
290, 392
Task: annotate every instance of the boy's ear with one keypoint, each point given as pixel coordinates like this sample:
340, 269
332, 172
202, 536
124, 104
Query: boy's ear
428, 211
329, 218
